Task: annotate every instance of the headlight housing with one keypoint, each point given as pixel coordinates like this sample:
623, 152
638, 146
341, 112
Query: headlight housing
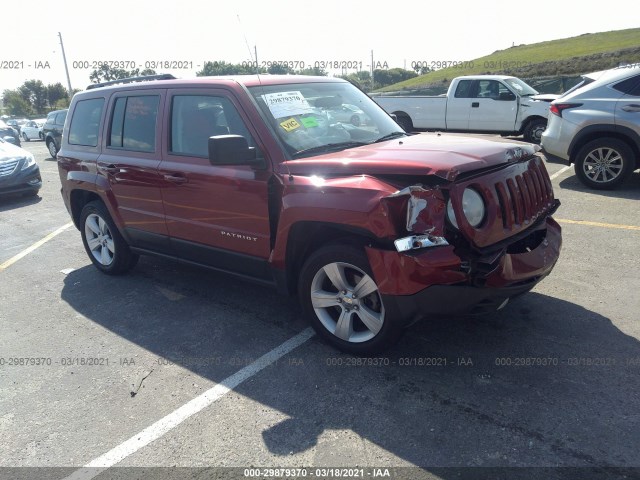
473, 208
29, 161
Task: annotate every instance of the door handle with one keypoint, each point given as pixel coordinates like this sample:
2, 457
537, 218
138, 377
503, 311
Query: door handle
475, 104
175, 178
108, 169
631, 108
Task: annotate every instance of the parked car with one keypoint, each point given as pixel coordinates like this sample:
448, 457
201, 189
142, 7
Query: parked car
348, 114
9, 134
33, 129
597, 128
371, 227
19, 173
16, 123
475, 103
52, 130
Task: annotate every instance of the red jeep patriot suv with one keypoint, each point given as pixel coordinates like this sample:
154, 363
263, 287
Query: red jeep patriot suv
372, 227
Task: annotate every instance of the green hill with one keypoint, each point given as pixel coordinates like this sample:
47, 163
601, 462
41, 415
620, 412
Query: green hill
567, 56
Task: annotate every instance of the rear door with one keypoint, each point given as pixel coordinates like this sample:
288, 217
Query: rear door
129, 163
627, 112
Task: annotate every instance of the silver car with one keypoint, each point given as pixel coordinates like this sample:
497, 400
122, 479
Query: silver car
597, 127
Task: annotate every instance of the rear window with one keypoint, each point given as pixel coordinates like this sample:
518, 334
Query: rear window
60, 117
464, 89
85, 122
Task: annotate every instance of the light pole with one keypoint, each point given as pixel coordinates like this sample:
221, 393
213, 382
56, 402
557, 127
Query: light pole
66, 69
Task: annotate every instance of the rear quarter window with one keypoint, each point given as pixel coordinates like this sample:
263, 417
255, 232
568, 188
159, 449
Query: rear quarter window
630, 86
86, 122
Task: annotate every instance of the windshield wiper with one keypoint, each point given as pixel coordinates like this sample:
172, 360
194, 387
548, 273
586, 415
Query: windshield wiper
390, 136
329, 147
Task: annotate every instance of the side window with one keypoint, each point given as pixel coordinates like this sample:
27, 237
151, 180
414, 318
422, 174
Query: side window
488, 89
133, 123
60, 118
195, 118
630, 86
464, 89
85, 122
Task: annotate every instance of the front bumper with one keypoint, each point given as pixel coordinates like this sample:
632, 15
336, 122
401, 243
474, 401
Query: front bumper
21, 181
436, 281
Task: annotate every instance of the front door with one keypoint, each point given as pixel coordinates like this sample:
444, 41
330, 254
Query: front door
216, 215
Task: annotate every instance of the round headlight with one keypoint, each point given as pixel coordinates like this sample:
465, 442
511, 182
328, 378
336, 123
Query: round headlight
472, 206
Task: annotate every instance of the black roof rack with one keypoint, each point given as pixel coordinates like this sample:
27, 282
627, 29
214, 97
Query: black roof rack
144, 78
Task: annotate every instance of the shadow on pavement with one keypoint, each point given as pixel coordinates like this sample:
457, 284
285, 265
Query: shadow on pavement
543, 383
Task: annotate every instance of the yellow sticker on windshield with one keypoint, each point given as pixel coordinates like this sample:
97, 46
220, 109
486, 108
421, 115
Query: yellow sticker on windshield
290, 124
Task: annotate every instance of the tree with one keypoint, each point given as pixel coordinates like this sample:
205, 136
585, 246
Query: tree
361, 79
384, 77
313, 71
224, 68
16, 104
56, 93
106, 73
35, 94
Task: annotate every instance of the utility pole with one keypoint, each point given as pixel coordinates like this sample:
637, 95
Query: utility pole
66, 69
255, 50
372, 71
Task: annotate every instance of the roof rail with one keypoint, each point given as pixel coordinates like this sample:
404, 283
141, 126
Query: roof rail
144, 78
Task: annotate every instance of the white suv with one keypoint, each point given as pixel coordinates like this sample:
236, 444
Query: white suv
597, 128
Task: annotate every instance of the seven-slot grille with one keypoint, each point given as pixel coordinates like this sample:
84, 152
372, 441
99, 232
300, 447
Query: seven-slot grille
524, 197
7, 168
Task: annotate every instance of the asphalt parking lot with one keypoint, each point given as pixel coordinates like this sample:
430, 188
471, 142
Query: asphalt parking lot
111, 366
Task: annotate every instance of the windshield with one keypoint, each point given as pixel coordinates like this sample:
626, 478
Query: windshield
520, 87
309, 119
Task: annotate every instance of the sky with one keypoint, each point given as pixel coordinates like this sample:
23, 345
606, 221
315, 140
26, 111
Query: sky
141, 31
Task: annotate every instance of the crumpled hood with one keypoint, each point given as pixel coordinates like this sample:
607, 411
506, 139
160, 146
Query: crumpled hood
445, 156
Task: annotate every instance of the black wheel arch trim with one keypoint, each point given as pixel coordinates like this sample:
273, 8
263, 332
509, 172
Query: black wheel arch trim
615, 131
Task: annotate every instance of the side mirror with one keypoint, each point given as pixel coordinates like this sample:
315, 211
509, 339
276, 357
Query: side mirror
507, 96
232, 150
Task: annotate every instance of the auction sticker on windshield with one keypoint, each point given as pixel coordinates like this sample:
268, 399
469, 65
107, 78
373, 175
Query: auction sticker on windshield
287, 104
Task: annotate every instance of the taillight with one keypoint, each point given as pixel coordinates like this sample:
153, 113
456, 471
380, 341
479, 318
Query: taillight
558, 108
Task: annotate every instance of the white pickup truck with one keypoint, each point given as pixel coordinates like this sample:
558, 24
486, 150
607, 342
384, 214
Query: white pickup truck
478, 103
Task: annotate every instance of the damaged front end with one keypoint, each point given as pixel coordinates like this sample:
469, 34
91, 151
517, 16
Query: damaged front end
470, 252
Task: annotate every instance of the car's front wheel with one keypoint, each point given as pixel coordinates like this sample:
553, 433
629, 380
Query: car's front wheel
604, 163
343, 302
105, 246
25, 137
533, 131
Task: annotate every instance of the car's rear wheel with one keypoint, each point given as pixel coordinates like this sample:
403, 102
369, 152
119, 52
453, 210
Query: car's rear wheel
105, 246
604, 163
51, 146
343, 303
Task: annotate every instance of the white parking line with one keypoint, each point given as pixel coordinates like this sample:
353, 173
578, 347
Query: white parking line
38, 244
560, 172
175, 418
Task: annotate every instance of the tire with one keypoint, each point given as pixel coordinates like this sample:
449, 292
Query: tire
533, 131
106, 248
404, 121
51, 145
338, 317
41, 136
355, 121
604, 163
25, 137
